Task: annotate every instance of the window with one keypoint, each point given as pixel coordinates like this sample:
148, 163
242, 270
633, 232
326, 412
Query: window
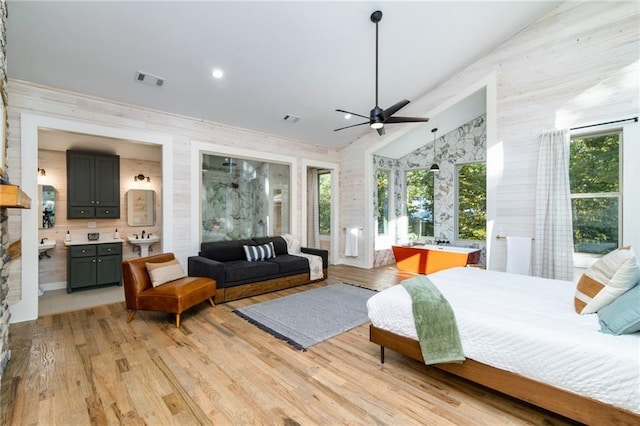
596, 198
472, 201
420, 203
382, 178
324, 202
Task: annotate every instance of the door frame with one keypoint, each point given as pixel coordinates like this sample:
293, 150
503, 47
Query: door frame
334, 169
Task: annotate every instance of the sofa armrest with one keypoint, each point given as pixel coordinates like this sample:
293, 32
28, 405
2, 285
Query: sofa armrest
324, 254
200, 266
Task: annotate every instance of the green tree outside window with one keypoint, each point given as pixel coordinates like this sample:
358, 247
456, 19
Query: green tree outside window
324, 202
382, 178
472, 201
594, 175
420, 184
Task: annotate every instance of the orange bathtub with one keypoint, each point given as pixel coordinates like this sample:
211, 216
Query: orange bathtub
429, 258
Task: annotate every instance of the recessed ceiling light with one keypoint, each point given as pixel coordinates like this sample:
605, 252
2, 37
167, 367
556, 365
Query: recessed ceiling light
347, 116
217, 73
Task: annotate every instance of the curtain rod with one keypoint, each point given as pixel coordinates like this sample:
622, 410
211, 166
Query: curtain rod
608, 122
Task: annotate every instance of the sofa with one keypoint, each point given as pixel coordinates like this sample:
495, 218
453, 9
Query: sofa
237, 278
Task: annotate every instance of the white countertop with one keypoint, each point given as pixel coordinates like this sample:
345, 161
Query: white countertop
82, 241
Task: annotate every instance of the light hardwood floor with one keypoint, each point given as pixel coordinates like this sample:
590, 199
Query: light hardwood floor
91, 367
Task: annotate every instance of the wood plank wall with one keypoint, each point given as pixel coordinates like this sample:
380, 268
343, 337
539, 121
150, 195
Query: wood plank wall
578, 64
30, 98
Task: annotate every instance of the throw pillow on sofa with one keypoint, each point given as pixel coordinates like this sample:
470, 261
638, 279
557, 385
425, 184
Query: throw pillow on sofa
260, 252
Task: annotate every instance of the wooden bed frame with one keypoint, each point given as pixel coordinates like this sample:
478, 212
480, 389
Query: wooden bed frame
565, 403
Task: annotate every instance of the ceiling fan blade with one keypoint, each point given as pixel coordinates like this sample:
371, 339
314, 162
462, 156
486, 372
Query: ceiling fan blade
353, 125
352, 113
406, 120
394, 108
381, 131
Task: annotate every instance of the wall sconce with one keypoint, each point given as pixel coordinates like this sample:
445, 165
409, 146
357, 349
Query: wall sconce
42, 172
141, 178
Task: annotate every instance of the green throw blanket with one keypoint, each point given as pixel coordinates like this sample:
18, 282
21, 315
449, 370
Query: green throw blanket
435, 322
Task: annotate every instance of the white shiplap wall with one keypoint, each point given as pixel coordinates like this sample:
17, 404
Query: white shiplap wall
176, 134
577, 65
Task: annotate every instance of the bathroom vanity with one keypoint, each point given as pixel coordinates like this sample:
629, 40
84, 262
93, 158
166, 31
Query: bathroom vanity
93, 264
432, 258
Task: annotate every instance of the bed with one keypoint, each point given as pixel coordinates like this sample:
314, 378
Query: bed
521, 336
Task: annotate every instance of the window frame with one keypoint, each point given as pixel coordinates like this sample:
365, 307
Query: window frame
321, 205
407, 202
456, 206
388, 217
585, 260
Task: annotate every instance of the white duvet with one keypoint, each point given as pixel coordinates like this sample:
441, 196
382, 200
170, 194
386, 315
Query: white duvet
528, 326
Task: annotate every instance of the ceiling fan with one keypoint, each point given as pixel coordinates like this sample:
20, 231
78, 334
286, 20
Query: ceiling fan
378, 117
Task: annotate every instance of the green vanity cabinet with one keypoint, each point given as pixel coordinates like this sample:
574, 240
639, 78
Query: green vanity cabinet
93, 185
94, 265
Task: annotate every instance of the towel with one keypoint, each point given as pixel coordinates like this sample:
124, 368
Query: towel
351, 242
519, 255
315, 262
435, 322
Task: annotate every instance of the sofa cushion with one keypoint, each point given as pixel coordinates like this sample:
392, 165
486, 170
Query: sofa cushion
242, 270
224, 251
289, 263
278, 243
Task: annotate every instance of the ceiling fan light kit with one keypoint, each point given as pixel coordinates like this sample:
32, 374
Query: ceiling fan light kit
378, 117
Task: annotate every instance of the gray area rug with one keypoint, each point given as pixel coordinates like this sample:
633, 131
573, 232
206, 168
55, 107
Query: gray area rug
310, 317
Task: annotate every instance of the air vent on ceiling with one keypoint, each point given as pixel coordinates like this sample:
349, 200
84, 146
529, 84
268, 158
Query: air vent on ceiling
150, 79
292, 118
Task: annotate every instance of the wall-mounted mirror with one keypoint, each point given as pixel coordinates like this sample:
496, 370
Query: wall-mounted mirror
47, 204
140, 207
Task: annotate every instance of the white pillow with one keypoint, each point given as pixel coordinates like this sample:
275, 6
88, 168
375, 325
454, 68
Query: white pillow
606, 280
162, 273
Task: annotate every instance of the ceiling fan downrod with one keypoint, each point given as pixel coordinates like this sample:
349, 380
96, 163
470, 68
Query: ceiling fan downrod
375, 18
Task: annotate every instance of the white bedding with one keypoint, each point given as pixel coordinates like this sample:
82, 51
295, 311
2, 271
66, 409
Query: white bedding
528, 326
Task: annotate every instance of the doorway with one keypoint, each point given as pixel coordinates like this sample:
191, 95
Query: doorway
27, 308
320, 207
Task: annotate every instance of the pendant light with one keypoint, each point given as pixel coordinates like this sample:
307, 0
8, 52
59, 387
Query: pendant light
434, 167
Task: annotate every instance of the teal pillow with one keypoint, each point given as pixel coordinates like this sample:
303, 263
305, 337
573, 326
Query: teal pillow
622, 316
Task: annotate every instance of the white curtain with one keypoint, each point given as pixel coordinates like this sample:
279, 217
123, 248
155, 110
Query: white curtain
313, 209
553, 222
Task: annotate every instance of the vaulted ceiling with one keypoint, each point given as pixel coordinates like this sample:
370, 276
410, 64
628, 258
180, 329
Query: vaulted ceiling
301, 58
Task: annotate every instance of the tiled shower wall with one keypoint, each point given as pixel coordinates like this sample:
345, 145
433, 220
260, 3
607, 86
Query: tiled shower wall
236, 205
465, 144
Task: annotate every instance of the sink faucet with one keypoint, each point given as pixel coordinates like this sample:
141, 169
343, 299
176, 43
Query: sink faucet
149, 235
42, 240
136, 236
143, 234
